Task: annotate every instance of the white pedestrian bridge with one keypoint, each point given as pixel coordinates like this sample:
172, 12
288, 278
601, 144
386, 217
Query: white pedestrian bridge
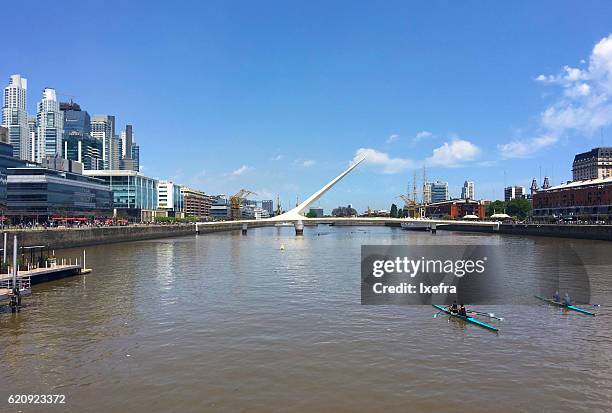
298, 219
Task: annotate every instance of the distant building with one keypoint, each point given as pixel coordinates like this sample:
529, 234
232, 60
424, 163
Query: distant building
196, 203
115, 157
103, 129
49, 127
220, 208
585, 200
128, 151
427, 193
4, 135
169, 197
268, 205
467, 192
15, 116
455, 209
439, 191
317, 211
78, 144
594, 164
514, 192
134, 195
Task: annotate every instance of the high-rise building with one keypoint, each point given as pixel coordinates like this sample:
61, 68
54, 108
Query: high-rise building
427, 192
596, 163
115, 160
136, 156
15, 117
4, 135
268, 205
78, 144
439, 191
128, 162
467, 192
49, 127
103, 129
31, 141
513, 192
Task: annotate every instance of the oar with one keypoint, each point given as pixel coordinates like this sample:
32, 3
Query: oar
491, 315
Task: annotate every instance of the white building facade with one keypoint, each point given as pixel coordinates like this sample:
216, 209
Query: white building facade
103, 129
467, 192
15, 116
49, 127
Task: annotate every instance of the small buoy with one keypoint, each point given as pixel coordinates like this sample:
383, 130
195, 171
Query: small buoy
282, 247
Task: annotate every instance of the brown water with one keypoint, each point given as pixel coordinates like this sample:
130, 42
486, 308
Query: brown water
229, 323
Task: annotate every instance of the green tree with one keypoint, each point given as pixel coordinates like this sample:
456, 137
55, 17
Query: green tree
393, 212
518, 207
495, 207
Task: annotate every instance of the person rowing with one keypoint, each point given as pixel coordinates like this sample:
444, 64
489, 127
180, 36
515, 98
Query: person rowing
567, 300
556, 297
462, 311
453, 307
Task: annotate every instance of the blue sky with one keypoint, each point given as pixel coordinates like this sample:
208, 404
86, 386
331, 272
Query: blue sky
279, 97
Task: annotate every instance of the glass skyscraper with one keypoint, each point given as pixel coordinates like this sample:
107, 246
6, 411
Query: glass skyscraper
15, 117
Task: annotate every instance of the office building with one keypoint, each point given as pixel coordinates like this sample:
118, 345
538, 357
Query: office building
15, 117
427, 193
220, 208
196, 203
318, 212
130, 152
594, 164
439, 191
514, 192
467, 191
49, 127
115, 161
268, 205
37, 194
103, 129
169, 197
78, 144
134, 195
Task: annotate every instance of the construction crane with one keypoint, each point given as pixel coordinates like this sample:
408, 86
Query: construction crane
236, 201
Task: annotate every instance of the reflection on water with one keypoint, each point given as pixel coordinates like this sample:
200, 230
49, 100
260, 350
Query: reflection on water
229, 323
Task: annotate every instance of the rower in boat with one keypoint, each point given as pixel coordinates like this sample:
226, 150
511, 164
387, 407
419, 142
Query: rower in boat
567, 300
453, 307
557, 297
462, 311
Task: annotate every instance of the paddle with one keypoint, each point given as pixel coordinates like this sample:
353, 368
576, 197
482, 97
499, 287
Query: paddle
491, 315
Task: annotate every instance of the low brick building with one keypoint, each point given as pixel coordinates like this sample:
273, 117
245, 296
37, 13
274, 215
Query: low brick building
455, 209
589, 200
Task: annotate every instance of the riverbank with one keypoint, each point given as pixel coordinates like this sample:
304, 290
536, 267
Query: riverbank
57, 238
594, 232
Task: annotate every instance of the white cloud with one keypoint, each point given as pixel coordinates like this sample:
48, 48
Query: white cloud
240, 171
382, 161
308, 163
422, 135
527, 147
453, 154
392, 138
277, 158
584, 107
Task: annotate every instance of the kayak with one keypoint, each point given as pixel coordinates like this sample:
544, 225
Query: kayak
569, 307
467, 319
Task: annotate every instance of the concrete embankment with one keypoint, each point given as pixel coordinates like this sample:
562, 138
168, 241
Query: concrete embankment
595, 232
57, 238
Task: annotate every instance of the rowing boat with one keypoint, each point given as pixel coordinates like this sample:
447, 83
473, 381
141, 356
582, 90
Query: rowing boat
467, 319
569, 307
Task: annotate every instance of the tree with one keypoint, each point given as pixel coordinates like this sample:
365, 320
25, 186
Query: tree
518, 207
495, 207
344, 212
393, 212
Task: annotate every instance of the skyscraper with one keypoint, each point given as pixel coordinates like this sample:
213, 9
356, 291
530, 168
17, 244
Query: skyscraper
467, 192
49, 127
128, 161
103, 129
513, 192
15, 117
78, 143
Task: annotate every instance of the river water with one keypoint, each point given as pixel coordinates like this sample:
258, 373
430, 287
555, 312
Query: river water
231, 323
